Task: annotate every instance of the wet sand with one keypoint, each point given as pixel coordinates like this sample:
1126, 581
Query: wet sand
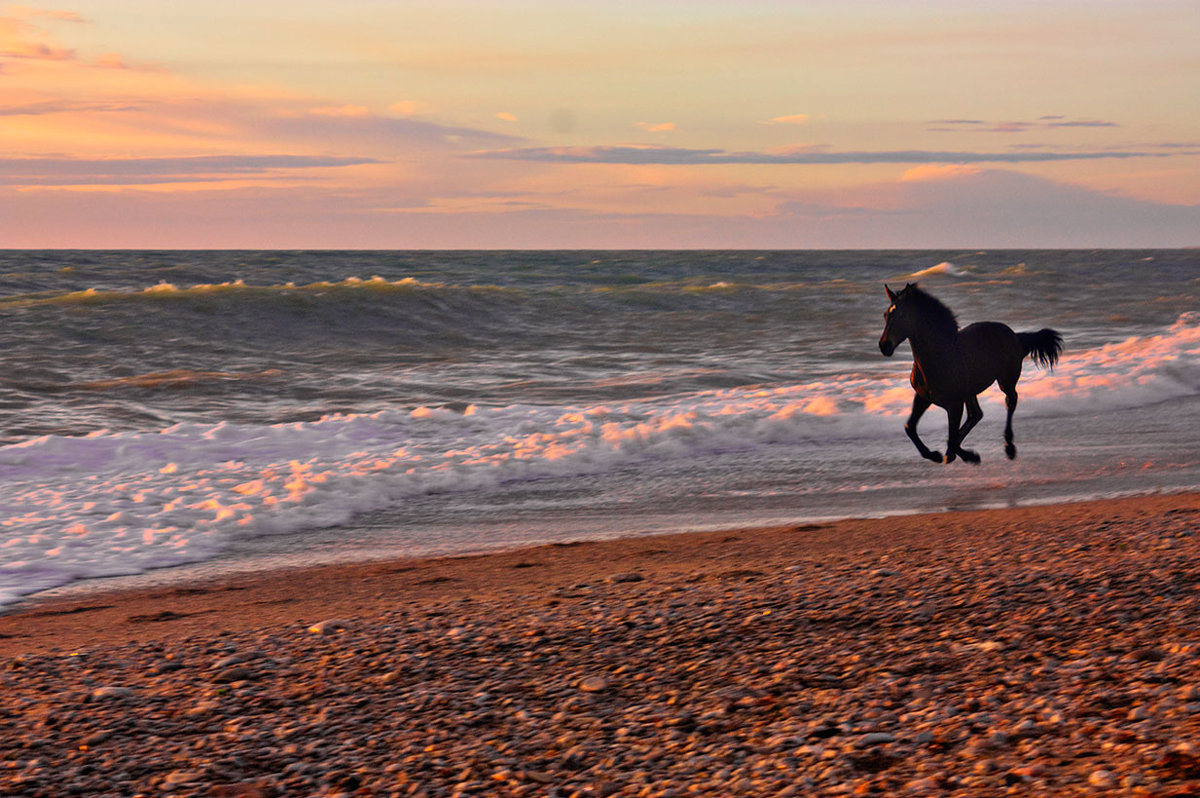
1036, 651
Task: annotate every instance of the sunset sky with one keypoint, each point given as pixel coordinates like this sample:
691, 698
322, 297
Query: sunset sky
563, 123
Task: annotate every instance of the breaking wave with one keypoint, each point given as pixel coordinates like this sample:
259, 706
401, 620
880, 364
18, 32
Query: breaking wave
119, 503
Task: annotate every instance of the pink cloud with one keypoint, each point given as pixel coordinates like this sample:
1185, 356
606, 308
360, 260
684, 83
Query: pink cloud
790, 119
20, 40
938, 172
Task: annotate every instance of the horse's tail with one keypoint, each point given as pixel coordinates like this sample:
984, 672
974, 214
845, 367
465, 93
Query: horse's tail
1045, 345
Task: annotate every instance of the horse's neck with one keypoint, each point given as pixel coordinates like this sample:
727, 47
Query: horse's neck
935, 353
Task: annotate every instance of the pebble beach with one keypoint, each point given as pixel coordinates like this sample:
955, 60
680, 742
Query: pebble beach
1047, 650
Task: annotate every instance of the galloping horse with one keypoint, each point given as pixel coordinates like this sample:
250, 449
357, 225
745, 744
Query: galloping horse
952, 366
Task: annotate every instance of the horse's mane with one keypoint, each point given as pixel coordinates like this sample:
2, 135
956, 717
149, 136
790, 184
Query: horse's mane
932, 309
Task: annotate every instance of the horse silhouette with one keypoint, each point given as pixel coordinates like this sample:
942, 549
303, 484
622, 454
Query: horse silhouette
951, 367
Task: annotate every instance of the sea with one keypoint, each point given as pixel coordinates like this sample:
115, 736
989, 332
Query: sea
181, 413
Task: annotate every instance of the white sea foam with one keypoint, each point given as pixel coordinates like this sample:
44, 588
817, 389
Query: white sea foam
119, 503
945, 267
166, 290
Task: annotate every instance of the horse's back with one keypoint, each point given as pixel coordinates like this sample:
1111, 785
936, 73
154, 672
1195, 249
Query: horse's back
989, 334
993, 352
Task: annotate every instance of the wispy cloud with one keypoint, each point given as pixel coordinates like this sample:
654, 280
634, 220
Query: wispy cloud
47, 107
353, 126
642, 154
656, 127
790, 119
143, 171
1018, 126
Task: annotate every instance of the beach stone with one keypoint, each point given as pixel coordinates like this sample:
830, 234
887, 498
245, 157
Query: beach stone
875, 738
1103, 779
248, 789
111, 692
178, 777
593, 684
625, 577
330, 625
237, 673
98, 737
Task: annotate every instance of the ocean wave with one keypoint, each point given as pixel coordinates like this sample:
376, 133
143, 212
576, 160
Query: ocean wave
173, 379
115, 503
943, 268
165, 291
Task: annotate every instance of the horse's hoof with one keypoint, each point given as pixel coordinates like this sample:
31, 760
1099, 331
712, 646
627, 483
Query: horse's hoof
1011, 451
969, 456
949, 458
935, 457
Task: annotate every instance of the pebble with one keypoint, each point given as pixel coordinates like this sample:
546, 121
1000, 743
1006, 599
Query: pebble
237, 673
875, 738
111, 692
330, 626
593, 684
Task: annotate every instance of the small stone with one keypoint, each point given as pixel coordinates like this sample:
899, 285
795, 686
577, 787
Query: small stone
329, 626
626, 577
593, 684
1103, 779
927, 784
1028, 772
202, 709
96, 738
245, 789
1138, 713
177, 777
111, 692
235, 674
1024, 729
875, 738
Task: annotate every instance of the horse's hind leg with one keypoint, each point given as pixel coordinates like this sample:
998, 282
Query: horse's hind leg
919, 406
974, 414
1010, 402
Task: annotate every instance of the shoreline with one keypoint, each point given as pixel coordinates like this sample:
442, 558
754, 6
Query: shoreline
1048, 649
245, 599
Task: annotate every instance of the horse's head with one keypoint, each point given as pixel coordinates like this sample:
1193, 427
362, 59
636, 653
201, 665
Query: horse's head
897, 320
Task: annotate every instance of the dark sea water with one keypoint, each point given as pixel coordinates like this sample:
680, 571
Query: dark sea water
160, 408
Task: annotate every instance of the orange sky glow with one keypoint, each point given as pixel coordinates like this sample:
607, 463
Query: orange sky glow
538, 124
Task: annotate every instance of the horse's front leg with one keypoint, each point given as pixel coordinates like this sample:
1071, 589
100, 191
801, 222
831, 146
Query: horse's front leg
953, 448
919, 406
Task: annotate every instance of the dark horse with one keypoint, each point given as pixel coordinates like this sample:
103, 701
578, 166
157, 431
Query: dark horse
952, 366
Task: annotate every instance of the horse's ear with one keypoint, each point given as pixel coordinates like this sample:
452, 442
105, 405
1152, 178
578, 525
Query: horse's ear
891, 294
